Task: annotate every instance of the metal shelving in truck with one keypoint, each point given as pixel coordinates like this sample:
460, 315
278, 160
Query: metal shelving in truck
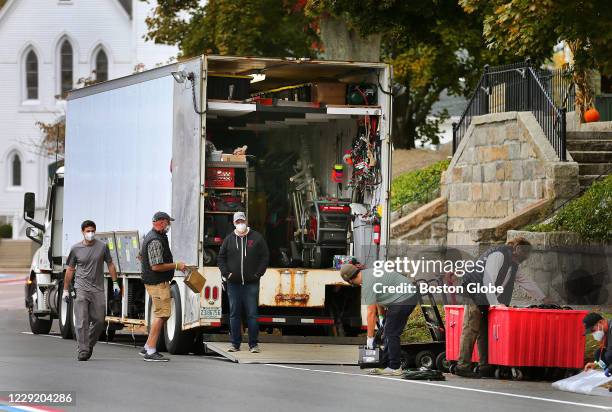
318, 185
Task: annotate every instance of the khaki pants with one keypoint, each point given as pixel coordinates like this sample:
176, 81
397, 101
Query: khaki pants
89, 311
475, 329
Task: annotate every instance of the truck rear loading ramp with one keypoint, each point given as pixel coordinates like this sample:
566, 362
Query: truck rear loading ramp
291, 353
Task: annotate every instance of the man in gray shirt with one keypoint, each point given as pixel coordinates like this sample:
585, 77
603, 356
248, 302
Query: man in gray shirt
392, 290
87, 259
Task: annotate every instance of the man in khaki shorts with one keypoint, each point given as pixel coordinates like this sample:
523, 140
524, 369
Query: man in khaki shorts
158, 269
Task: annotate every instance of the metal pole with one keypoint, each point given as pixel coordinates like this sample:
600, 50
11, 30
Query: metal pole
485, 83
528, 79
454, 137
562, 155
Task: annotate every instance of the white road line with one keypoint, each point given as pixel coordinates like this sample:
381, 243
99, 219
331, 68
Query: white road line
513, 395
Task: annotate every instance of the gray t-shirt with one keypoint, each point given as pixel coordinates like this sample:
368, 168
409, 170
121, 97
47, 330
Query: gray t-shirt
89, 263
372, 288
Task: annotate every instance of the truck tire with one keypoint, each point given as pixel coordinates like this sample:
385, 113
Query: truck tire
442, 364
177, 341
65, 319
39, 326
161, 344
425, 358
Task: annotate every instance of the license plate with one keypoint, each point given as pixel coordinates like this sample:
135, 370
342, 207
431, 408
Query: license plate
210, 313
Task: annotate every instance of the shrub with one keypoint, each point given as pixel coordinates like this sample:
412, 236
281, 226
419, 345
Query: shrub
419, 186
6, 231
589, 215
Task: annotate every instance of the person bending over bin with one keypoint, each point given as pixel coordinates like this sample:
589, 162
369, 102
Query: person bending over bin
374, 290
158, 269
500, 265
243, 260
87, 259
600, 328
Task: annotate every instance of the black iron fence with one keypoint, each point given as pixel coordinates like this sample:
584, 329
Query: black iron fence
520, 87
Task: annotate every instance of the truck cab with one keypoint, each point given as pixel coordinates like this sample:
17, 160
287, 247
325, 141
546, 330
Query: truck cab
43, 288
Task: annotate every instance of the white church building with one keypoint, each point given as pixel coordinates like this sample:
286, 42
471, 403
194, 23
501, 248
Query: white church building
46, 46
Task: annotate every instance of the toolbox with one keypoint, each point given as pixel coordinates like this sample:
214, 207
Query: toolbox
220, 177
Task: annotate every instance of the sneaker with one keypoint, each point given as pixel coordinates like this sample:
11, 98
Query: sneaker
233, 349
386, 372
466, 373
142, 352
83, 356
155, 357
255, 349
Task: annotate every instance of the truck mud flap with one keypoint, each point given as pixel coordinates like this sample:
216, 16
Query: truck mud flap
290, 353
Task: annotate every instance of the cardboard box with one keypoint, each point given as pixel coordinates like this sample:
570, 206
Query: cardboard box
227, 157
194, 280
329, 93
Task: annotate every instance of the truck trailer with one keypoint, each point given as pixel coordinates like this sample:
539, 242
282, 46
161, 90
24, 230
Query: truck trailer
314, 180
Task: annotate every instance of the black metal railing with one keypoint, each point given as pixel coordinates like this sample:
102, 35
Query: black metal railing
520, 87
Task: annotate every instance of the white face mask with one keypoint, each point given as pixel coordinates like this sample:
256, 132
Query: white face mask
89, 236
598, 335
241, 227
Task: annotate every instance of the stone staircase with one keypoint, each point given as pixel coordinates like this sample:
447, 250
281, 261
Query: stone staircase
592, 150
15, 254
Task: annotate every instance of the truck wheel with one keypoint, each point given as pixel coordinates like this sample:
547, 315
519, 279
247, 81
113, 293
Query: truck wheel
177, 340
161, 344
39, 326
425, 358
442, 364
65, 319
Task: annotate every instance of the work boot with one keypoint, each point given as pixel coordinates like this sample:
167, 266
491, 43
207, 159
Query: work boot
83, 355
486, 371
466, 373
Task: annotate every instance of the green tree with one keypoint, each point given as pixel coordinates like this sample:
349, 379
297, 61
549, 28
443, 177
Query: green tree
432, 44
234, 27
532, 28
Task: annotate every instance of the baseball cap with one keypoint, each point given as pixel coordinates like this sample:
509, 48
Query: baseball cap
161, 216
348, 271
239, 216
590, 320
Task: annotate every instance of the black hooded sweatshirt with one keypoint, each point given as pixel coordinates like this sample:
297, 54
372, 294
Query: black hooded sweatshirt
243, 259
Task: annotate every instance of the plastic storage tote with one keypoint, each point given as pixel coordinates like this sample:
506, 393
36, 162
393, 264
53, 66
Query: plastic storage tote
536, 337
454, 323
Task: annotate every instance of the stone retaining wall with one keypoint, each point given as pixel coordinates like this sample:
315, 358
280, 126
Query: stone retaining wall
503, 164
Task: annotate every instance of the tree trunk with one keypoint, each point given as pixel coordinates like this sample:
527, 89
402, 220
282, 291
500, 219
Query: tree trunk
342, 43
584, 91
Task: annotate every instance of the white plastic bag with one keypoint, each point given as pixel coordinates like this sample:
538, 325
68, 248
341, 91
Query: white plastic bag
588, 383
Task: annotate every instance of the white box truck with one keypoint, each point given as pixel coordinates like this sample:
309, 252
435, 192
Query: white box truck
315, 182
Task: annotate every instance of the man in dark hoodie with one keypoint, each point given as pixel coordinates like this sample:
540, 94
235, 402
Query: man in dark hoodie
243, 260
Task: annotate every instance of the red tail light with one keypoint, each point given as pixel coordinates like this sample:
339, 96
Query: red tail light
215, 292
207, 292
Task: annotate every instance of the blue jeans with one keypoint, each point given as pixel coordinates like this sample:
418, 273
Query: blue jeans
245, 296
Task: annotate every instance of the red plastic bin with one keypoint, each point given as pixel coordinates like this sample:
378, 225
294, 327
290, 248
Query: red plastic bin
536, 337
453, 315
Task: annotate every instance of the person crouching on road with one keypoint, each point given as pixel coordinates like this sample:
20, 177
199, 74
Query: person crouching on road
158, 269
87, 259
399, 307
601, 329
243, 260
500, 265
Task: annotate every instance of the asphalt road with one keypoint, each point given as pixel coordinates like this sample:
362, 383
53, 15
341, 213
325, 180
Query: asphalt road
117, 379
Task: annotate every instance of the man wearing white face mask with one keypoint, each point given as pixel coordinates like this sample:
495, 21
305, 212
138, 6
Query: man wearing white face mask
87, 259
601, 330
243, 260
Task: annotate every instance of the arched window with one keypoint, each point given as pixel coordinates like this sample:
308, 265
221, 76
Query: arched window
15, 168
31, 75
66, 67
101, 66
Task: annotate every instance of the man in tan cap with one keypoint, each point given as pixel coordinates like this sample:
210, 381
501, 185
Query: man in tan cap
392, 290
